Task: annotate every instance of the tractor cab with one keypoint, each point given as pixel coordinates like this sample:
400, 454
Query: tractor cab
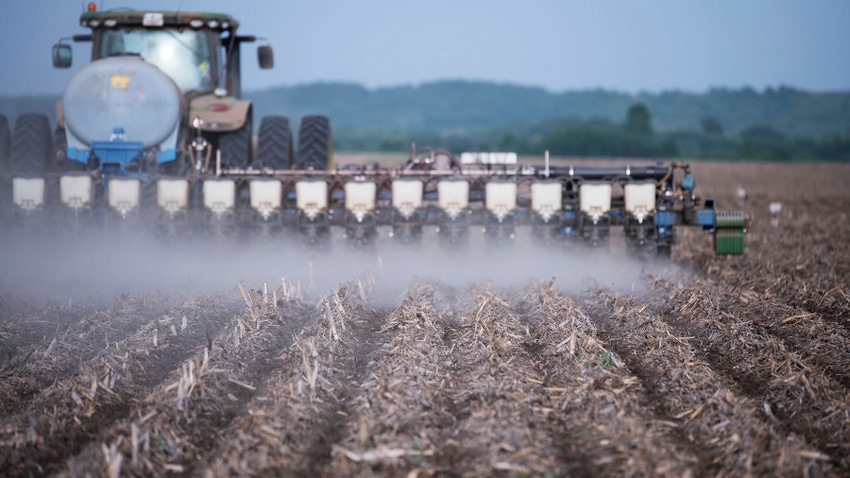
160, 84
199, 51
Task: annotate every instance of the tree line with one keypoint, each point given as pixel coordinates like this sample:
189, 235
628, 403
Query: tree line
634, 136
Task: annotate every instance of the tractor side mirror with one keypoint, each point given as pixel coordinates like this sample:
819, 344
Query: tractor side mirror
61, 55
265, 56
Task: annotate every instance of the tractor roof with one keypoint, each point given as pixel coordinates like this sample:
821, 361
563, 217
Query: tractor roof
157, 18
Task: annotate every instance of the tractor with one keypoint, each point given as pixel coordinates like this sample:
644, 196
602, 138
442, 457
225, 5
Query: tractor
159, 105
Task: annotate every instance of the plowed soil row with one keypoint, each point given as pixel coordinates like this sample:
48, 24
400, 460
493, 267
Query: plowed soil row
792, 388
459, 382
170, 428
89, 393
711, 410
291, 427
466, 381
51, 343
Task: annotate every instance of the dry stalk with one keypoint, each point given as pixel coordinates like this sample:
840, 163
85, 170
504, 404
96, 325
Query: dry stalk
245, 299
50, 347
114, 459
330, 319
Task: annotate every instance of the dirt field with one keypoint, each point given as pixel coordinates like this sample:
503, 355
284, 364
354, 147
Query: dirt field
710, 366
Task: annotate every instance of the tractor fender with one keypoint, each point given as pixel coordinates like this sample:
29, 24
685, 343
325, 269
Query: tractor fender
219, 113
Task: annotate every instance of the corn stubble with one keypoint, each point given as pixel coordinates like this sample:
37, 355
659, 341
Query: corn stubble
734, 367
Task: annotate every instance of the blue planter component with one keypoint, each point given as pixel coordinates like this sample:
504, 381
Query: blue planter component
664, 218
705, 218
688, 183
167, 155
117, 152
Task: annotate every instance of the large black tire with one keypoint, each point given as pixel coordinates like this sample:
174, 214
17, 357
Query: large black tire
32, 146
5, 145
315, 143
235, 146
274, 144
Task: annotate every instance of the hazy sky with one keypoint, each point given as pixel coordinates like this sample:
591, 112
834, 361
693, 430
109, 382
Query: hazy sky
627, 45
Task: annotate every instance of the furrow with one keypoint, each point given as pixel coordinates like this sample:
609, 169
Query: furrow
292, 427
791, 390
56, 350
731, 430
70, 412
600, 419
402, 419
181, 418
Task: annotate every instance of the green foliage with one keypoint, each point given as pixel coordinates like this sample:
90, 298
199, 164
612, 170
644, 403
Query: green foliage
606, 361
638, 120
711, 125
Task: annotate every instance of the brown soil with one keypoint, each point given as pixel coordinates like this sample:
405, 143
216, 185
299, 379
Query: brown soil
733, 366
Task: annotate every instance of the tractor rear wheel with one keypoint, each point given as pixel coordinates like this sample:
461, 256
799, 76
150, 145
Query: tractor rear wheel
32, 146
274, 144
5, 145
235, 146
315, 143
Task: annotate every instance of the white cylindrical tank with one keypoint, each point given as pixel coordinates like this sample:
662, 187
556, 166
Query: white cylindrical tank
360, 197
124, 194
595, 198
640, 198
28, 193
75, 190
407, 195
266, 195
219, 195
546, 198
172, 195
121, 92
453, 196
500, 197
311, 196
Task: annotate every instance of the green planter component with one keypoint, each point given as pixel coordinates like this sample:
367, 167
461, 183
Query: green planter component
729, 232
729, 219
729, 241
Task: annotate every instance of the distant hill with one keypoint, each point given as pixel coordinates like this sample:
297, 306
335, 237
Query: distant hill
446, 106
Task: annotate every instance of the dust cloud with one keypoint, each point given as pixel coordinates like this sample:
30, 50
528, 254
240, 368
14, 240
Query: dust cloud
71, 268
